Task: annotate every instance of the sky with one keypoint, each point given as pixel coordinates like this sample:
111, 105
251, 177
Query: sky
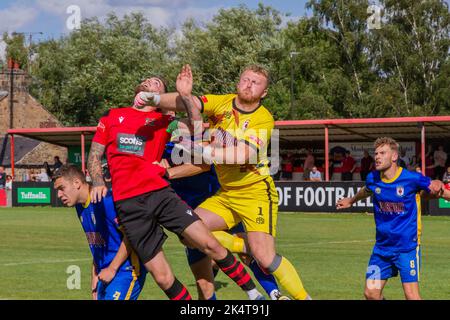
50, 16
46, 19
55, 18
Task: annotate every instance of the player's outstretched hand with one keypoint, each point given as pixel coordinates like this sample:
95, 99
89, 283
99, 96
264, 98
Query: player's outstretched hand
436, 188
343, 203
98, 193
106, 275
184, 81
143, 99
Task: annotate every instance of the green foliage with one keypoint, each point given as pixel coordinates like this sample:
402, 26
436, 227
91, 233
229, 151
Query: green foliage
15, 49
98, 66
339, 68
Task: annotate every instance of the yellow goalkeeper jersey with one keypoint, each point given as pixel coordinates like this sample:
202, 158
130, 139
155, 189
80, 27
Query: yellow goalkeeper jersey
229, 125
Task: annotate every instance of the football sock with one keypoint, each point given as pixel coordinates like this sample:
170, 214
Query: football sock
288, 277
213, 297
229, 241
178, 291
235, 271
266, 280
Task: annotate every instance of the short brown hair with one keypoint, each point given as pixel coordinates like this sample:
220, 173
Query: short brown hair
259, 70
164, 81
387, 141
69, 172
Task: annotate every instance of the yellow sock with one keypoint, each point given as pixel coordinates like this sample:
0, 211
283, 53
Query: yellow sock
232, 243
289, 279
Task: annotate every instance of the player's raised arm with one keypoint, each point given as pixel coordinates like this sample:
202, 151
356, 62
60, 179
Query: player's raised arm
99, 189
346, 203
173, 101
184, 88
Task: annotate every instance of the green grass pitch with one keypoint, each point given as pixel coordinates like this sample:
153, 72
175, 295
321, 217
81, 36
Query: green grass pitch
330, 251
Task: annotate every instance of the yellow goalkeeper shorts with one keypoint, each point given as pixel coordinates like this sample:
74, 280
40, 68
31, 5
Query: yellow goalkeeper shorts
256, 205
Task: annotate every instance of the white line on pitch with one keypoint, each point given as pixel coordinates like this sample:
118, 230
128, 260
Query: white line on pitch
12, 264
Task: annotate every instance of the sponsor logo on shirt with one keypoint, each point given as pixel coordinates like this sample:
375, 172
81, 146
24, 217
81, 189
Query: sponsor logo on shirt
101, 126
377, 190
400, 191
245, 125
130, 143
150, 122
121, 119
392, 207
95, 239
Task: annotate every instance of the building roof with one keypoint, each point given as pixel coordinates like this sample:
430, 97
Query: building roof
368, 129
65, 137
292, 131
22, 145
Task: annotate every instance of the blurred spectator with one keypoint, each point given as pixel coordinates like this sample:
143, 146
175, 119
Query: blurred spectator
330, 168
429, 166
287, 168
308, 165
367, 165
2, 177
404, 158
315, 175
418, 169
440, 159
48, 170
42, 176
446, 176
348, 167
32, 175
26, 176
8, 184
57, 164
413, 163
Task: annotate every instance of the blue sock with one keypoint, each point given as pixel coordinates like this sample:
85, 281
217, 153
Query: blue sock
194, 255
267, 281
213, 297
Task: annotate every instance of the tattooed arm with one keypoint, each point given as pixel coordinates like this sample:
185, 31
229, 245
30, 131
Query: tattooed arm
192, 108
99, 188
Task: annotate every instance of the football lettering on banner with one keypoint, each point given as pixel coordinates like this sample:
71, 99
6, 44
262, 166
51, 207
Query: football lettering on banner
74, 280
322, 197
73, 22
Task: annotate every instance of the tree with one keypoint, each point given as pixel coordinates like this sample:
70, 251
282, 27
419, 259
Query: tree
235, 38
410, 51
15, 49
97, 67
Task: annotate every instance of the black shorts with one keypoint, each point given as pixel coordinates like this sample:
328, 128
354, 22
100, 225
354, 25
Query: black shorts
142, 218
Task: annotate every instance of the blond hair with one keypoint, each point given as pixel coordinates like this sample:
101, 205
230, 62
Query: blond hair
387, 141
259, 70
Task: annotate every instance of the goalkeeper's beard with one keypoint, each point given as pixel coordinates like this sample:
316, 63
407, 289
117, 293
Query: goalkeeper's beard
248, 100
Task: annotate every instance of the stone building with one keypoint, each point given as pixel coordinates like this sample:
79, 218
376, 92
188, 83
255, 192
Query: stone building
26, 112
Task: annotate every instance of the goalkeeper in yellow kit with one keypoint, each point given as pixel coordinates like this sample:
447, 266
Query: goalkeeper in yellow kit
239, 134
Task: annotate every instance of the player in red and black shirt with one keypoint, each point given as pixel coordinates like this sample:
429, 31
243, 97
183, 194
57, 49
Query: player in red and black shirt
134, 139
